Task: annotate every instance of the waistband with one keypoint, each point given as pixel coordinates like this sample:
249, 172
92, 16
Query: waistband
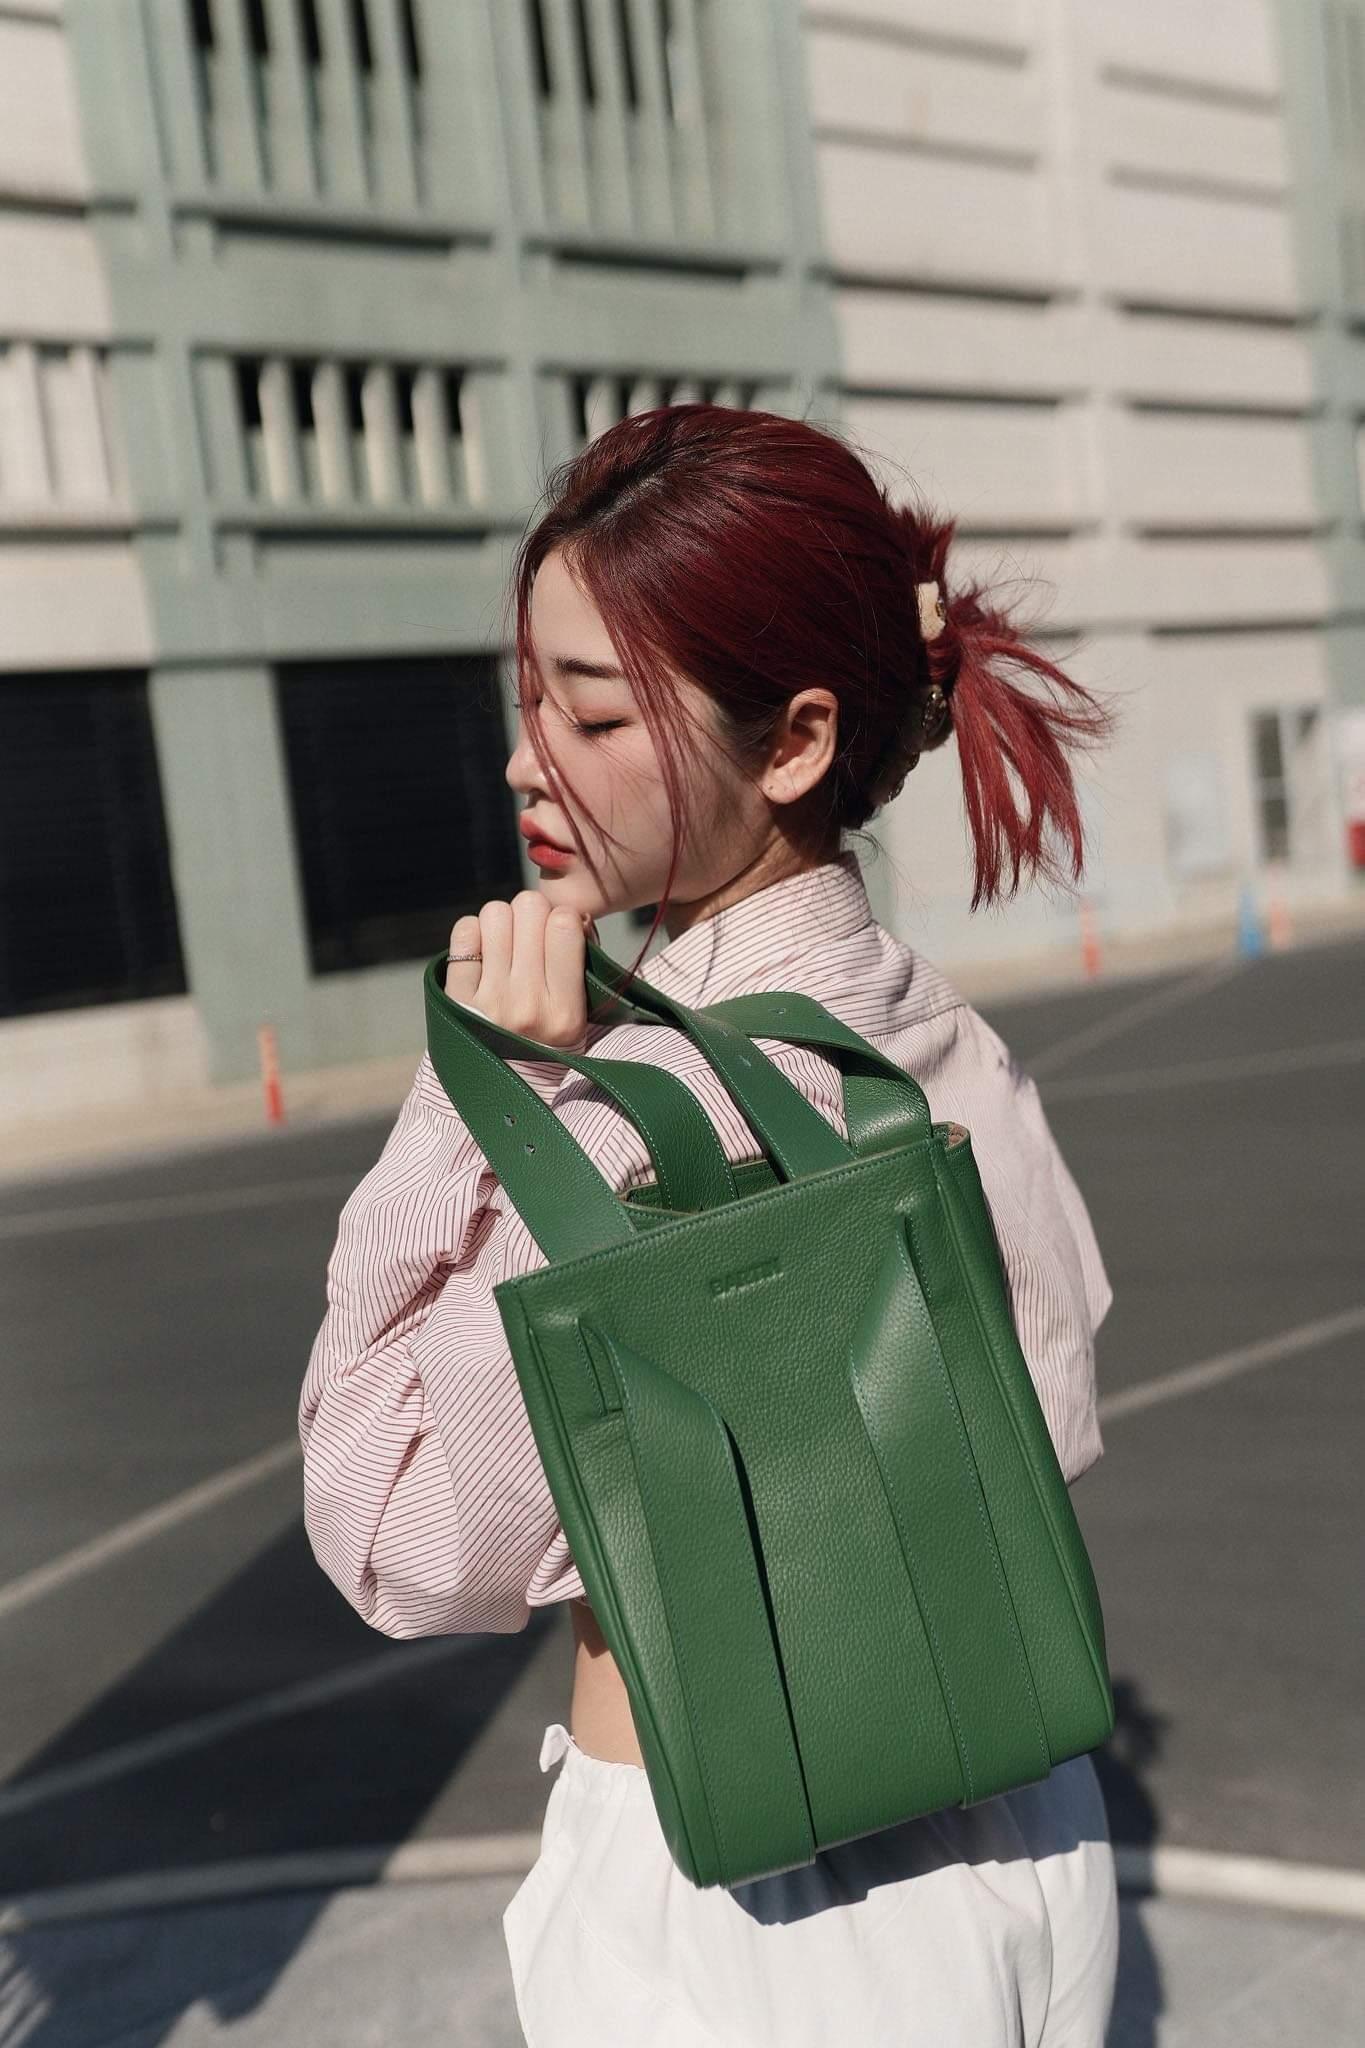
557, 1745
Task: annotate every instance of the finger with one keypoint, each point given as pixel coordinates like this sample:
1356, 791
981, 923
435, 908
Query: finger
462, 976
566, 993
526, 999
495, 943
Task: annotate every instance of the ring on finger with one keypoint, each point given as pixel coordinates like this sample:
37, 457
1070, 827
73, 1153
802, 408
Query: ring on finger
464, 956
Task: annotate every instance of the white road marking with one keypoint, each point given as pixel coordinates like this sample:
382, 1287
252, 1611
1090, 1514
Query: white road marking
46, 1578
1172, 1872
427, 1862
166, 1208
183, 1736
1250, 1066
1119, 1021
1164, 1872
1190, 1379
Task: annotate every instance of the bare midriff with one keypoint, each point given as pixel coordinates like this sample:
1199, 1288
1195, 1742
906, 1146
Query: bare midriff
600, 1719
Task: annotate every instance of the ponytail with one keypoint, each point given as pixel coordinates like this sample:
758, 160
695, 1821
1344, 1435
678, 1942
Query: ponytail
1002, 728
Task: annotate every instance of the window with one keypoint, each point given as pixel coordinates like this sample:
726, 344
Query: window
402, 818
87, 906
1289, 783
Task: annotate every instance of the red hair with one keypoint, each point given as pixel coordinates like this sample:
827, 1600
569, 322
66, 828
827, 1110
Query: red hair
757, 555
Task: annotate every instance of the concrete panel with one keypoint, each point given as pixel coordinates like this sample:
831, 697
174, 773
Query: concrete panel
1171, 249
924, 218
40, 142
117, 1055
993, 466
72, 604
1147, 132
1289, 667
923, 343
1162, 356
1227, 582
1229, 43
51, 278
1189, 472
858, 86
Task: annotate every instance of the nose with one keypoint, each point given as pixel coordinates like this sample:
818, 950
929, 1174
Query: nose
523, 771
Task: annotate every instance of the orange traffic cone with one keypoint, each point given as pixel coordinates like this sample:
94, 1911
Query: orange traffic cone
270, 1074
1091, 959
1279, 925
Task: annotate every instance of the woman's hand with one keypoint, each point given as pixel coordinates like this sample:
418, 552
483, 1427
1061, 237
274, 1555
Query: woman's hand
529, 973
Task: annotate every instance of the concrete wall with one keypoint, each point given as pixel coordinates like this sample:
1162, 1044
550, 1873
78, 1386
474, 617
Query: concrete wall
1064, 239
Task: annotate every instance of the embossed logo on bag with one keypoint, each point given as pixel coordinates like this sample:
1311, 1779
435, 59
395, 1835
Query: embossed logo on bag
747, 1277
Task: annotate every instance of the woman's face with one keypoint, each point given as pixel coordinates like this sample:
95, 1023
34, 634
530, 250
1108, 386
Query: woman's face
599, 744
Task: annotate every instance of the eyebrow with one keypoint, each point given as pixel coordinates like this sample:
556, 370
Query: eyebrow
594, 671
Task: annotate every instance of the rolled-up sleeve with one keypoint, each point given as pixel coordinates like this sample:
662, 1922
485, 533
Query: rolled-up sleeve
379, 1507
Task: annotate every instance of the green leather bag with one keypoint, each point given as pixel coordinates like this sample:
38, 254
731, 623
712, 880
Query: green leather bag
791, 1435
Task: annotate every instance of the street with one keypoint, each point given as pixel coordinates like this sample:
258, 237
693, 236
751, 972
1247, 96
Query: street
185, 1695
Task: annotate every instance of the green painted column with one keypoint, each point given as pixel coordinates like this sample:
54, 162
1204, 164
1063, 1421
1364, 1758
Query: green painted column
242, 923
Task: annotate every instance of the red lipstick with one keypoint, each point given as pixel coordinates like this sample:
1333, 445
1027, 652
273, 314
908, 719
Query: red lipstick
543, 852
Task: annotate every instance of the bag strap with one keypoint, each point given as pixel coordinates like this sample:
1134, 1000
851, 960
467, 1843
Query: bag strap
883, 1105
565, 1202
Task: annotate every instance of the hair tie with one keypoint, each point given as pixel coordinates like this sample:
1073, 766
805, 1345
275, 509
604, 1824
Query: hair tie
932, 614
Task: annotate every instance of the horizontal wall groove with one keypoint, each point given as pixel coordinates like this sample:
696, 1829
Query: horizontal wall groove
947, 394
1302, 319
1214, 530
1271, 410
1190, 185
1006, 56
959, 288
1202, 92
997, 156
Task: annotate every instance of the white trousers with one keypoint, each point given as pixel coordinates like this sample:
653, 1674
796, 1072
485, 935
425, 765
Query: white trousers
993, 1926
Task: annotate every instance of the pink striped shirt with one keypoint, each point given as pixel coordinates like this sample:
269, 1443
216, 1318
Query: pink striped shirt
424, 1497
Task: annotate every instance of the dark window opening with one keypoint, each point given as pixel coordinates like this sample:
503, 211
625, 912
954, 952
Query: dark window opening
257, 28
626, 44
87, 904
249, 389
454, 383
312, 31
302, 375
402, 818
355, 390
540, 49
583, 38
412, 47
404, 378
360, 36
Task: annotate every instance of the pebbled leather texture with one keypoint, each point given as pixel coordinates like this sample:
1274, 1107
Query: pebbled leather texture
795, 1448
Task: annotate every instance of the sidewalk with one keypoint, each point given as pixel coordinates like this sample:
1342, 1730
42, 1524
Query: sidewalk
424, 1964
198, 1119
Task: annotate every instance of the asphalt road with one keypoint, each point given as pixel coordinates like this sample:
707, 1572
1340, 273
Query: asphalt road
202, 1692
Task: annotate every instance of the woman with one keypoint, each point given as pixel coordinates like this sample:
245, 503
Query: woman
732, 649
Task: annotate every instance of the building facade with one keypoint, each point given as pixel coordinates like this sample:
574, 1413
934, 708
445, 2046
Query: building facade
300, 300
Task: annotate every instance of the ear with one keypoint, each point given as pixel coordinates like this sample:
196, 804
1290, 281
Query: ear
803, 746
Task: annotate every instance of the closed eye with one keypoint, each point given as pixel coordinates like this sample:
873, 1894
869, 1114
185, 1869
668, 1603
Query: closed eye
600, 725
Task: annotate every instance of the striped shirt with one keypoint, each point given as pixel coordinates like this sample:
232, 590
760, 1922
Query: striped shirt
424, 1497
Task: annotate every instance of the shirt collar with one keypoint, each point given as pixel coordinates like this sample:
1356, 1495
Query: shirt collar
765, 939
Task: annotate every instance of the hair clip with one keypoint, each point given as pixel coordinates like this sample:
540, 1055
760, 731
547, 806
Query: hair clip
932, 613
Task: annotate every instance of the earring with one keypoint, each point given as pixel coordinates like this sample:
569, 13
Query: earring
935, 711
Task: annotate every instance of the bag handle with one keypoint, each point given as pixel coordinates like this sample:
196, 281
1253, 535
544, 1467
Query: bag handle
883, 1105
565, 1202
